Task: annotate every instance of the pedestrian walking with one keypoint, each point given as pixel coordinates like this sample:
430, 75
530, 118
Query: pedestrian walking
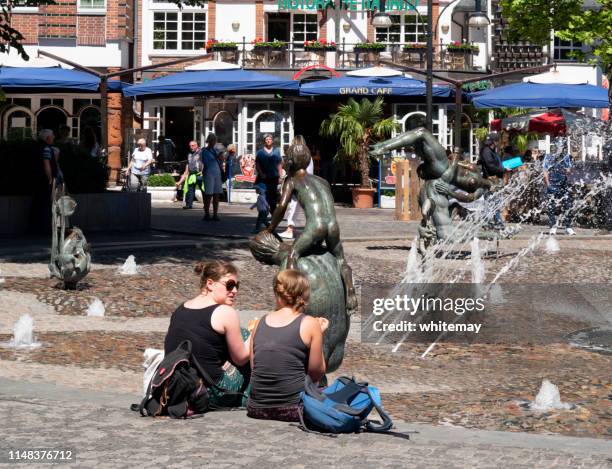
139, 168
192, 177
213, 184
557, 166
269, 162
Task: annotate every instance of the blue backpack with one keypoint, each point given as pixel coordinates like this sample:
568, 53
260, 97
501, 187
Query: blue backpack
342, 407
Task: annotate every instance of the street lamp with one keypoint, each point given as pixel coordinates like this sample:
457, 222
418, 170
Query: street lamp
478, 20
381, 18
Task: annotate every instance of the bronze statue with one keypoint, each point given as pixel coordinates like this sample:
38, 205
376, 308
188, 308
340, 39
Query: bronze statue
70, 258
438, 175
317, 252
326, 289
314, 195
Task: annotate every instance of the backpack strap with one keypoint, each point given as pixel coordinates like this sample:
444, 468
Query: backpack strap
387, 423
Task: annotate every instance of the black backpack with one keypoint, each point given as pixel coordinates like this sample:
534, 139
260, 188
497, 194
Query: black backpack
177, 388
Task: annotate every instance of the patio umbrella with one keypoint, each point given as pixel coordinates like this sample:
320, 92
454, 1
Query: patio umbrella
554, 122
550, 95
51, 80
371, 86
212, 82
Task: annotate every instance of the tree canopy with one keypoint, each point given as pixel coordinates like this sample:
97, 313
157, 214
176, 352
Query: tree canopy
588, 22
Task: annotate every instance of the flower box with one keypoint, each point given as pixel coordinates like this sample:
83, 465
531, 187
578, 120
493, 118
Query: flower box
319, 46
274, 45
375, 47
459, 48
215, 46
415, 47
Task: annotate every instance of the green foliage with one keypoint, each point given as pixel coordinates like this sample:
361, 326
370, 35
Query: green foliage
533, 20
521, 141
371, 46
388, 193
9, 36
481, 133
161, 180
22, 168
358, 124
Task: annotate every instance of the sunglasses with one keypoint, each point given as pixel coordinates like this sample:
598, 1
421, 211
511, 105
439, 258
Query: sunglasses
230, 285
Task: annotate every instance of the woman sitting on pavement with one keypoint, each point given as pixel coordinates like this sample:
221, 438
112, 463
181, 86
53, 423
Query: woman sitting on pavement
287, 345
212, 325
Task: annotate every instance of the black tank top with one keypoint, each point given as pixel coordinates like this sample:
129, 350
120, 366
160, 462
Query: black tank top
280, 363
209, 347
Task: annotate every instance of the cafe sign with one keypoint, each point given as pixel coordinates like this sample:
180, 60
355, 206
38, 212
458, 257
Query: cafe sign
365, 90
352, 5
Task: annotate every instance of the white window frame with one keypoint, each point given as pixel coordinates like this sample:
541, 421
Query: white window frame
402, 31
571, 48
292, 29
163, 8
91, 10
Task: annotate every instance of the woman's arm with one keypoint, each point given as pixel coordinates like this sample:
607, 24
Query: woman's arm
230, 324
316, 361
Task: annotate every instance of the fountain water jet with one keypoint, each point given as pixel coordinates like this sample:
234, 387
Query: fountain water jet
96, 308
129, 267
23, 334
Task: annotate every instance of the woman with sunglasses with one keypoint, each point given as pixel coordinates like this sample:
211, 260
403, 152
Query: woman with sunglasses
212, 325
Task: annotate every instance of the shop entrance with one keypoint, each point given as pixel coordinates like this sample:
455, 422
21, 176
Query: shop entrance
179, 128
308, 118
279, 25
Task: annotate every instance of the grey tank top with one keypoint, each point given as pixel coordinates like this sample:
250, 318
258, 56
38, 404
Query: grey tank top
280, 363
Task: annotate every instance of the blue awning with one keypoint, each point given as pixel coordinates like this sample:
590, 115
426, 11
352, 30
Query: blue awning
212, 82
22, 79
371, 86
535, 95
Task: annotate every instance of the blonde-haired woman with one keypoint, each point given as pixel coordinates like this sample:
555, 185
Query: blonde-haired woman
140, 166
286, 346
212, 325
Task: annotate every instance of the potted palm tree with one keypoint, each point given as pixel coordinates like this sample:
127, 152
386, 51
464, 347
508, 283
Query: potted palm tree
358, 125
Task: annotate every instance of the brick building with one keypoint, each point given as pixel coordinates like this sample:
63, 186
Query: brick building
98, 34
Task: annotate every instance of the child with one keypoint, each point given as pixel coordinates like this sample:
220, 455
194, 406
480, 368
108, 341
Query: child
262, 207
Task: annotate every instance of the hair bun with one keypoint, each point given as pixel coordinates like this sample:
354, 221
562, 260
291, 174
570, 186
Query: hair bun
199, 268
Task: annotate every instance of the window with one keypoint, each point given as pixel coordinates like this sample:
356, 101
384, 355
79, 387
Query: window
415, 28
95, 4
564, 49
165, 30
193, 31
391, 34
410, 28
168, 27
305, 27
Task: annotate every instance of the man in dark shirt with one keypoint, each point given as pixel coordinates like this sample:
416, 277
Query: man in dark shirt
492, 168
268, 161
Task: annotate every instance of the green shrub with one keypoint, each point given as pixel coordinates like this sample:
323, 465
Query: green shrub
161, 180
23, 174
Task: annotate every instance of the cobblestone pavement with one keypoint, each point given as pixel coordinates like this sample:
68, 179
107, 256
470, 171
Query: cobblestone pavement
469, 392
103, 433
